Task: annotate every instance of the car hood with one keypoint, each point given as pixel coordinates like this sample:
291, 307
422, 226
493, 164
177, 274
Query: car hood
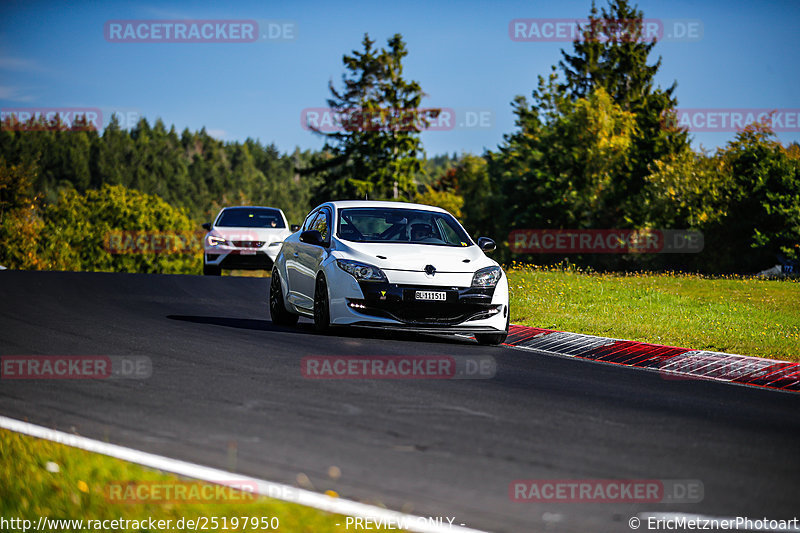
251, 234
415, 257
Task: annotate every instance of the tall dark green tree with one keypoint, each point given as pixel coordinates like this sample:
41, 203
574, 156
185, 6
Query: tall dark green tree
375, 150
112, 155
613, 53
590, 137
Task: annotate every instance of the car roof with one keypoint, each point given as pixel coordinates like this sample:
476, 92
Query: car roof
251, 207
374, 203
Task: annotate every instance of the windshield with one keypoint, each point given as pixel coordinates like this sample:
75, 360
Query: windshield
374, 224
250, 217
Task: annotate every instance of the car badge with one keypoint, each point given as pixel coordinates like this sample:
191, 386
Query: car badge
383, 295
430, 270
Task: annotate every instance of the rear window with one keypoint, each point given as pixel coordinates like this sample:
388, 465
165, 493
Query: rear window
251, 217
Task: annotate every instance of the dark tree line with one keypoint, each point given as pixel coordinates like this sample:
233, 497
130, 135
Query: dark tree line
191, 169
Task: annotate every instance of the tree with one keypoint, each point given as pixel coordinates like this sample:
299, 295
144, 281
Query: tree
613, 54
762, 218
462, 178
375, 152
559, 170
20, 223
115, 229
745, 198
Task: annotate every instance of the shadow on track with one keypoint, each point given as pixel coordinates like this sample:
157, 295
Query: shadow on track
239, 323
308, 329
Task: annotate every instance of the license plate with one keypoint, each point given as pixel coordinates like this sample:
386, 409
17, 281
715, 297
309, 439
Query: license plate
247, 252
431, 296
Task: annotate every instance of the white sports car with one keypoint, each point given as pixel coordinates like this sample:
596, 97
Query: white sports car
389, 265
244, 237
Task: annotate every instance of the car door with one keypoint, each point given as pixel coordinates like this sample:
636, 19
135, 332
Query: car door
294, 266
310, 256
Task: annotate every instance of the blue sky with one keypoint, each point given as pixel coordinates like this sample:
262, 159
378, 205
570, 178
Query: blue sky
54, 54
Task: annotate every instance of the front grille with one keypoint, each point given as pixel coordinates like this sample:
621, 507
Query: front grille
248, 244
426, 314
398, 302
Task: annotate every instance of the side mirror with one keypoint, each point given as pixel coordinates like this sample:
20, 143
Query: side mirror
312, 236
207, 226
294, 227
486, 244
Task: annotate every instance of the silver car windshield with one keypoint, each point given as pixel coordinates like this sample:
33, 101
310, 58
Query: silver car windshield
391, 225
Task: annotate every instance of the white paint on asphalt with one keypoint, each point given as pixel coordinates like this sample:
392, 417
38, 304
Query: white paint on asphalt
270, 489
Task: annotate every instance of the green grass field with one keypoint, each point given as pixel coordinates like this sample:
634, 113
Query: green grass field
748, 316
42, 478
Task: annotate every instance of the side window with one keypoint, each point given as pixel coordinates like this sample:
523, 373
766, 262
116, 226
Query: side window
322, 223
308, 221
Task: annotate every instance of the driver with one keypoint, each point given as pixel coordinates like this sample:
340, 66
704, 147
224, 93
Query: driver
421, 231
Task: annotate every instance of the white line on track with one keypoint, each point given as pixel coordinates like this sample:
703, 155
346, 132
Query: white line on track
277, 491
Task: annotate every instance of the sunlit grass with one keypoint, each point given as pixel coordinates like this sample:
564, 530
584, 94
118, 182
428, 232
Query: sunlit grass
745, 315
246, 273
42, 478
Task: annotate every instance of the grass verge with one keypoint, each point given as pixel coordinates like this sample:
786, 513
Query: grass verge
748, 316
42, 478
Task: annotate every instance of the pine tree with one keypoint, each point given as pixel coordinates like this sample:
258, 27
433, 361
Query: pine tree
375, 152
613, 54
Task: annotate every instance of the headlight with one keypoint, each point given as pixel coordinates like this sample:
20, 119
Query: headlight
361, 271
487, 277
213, 240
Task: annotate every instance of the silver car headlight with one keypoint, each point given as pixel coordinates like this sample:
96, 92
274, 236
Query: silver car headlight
486, 278
361, 271
214, 240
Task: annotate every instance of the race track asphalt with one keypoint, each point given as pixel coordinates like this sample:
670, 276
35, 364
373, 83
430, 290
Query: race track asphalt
227, 391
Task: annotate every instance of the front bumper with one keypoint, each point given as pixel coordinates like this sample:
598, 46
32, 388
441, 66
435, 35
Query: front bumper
399, 302
230, 257
395, 306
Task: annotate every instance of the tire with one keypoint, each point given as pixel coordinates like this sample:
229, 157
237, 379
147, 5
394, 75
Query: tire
211, 270
277, 309
493, 339
322, 310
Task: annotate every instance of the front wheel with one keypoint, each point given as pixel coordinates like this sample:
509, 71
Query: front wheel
322, 310
277, 309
